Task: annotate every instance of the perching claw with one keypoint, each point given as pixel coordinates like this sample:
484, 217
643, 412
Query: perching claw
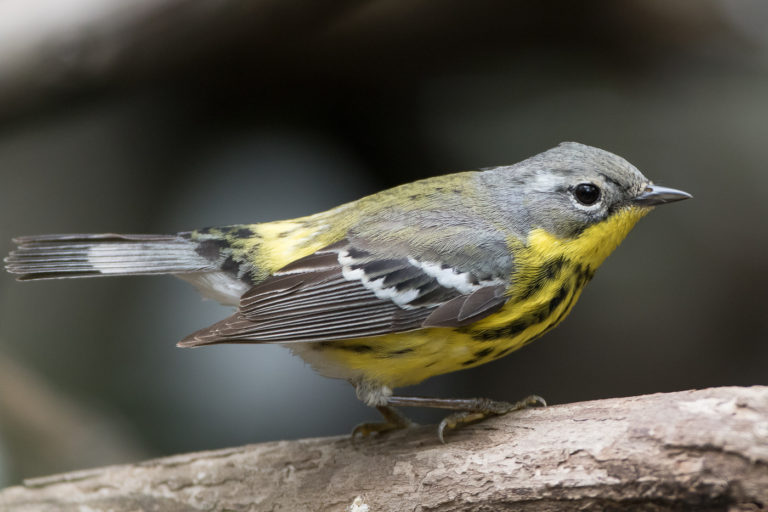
491, 408
395, 420
469, 410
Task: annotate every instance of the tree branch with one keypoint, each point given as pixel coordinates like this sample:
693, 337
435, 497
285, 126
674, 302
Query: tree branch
691, 450
52, 47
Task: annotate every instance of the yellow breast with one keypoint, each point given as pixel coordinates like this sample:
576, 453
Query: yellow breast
550, 275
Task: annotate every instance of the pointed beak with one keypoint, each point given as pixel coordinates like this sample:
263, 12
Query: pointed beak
654, 195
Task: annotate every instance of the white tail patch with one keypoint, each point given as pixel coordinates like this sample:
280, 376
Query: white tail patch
62, 256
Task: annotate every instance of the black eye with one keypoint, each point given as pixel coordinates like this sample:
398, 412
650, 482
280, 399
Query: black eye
586, 193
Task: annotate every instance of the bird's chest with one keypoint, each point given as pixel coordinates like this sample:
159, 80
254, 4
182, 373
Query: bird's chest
542, 300
410, 357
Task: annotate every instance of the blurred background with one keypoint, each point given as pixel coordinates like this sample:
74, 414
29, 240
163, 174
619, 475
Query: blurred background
158, 116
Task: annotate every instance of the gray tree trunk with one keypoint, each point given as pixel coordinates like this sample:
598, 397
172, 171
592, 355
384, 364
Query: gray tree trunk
691, 450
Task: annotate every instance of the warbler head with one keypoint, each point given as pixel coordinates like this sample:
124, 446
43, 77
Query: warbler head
571, 188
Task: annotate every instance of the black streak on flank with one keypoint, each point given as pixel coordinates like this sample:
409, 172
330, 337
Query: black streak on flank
557, 320
401, 351
360, 349
508, 331
482, 353
469, 362
557, 299
514, 328
566, 293
549, 271
585, 273
564, 312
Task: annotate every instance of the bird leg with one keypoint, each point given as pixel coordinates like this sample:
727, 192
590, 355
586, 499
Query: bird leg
377, 395
470, 409
394, 420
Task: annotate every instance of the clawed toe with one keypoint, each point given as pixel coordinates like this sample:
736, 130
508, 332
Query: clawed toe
488, 408
457, 419
394, 421
469, 410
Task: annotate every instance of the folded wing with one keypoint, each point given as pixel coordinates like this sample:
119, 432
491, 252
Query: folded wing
344, 291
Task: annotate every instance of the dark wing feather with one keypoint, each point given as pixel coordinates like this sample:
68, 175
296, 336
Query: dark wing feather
343, 292
467, 309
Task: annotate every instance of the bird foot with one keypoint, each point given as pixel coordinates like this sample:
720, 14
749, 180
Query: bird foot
485, 408
394, 421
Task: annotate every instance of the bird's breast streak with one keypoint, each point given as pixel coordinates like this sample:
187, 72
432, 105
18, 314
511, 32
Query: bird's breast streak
410, 357
550, 275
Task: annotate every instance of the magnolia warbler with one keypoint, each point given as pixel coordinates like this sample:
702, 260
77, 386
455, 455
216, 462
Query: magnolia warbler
426, 278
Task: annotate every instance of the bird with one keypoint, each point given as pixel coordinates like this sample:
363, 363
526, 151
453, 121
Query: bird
426, 278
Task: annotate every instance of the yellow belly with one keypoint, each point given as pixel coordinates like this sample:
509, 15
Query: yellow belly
408, 358
550, 275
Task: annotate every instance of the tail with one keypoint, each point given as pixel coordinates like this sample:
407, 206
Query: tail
63, 256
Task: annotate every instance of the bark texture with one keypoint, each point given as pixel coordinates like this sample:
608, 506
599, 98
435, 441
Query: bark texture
693, 450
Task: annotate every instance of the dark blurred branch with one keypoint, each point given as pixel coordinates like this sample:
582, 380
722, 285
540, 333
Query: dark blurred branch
53, 47
49, 47
35, 418
692, 450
